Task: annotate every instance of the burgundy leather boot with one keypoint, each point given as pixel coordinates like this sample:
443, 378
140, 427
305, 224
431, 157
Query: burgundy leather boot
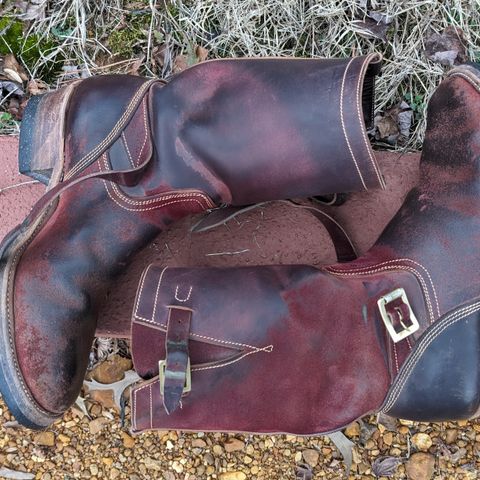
301, 350
125, 157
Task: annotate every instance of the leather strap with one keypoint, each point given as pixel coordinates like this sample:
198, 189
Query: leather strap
344, 247
177, 358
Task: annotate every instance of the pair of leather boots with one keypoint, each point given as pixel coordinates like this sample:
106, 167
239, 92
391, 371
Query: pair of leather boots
257, 349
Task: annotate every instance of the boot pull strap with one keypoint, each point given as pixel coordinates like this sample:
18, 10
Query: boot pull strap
126, 178
174, 371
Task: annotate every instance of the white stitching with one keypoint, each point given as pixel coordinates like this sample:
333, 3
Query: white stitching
182, 300
267, 349
145, 126
396, 261
373, 269
205, 337
160, 278
343, 125
151, 407
127, 149
139, 296
117, 127
185, 199
429, 337
466, 76
396, 357
158, 201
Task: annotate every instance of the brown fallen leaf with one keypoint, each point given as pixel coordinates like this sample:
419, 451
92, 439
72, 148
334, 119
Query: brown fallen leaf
160, 54
447, 48
385, 466
135, 66
201, 53
394, 124
369, 28
13, 70
180, 63
36, 87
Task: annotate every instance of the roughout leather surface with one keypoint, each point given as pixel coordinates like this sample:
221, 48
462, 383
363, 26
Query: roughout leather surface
349, 364
275, 234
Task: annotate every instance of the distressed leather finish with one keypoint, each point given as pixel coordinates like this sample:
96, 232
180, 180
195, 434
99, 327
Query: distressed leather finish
138, 155
304, 350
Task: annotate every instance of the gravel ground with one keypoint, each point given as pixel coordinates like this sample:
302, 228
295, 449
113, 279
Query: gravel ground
98, 447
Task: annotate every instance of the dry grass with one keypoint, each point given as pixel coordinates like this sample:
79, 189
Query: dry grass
232, 28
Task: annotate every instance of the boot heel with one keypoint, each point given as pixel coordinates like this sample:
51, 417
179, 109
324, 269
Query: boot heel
41, 148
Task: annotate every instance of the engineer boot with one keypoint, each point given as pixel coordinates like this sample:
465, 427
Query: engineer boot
303, 350
125, 157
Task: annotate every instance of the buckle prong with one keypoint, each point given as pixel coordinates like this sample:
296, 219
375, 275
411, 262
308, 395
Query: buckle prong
387, 317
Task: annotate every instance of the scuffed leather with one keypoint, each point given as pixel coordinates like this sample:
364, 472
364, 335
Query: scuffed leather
319, 355
192, 140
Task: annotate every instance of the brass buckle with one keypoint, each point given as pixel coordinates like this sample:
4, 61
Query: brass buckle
162, 366
382, 303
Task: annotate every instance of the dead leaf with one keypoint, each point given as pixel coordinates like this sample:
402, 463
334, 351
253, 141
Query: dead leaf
135, 66
369, 28
13, 474
11, 424
32, 9
303, 472
345, 446
380, 17
390, 423
394, 123
385, 466
160, 54
11, 87
180, 63
366, 432
201, 53
447, 48
13, 70
80, 404
37, 87
117, 387
405, 117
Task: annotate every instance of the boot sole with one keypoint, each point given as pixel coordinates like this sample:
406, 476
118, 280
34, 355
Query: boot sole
41, 158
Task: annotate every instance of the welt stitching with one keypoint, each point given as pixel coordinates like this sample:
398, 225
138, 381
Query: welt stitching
9, 314
117, 127
360, 119
437, 329
473, 81
387, 268
403, 260
343, 124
